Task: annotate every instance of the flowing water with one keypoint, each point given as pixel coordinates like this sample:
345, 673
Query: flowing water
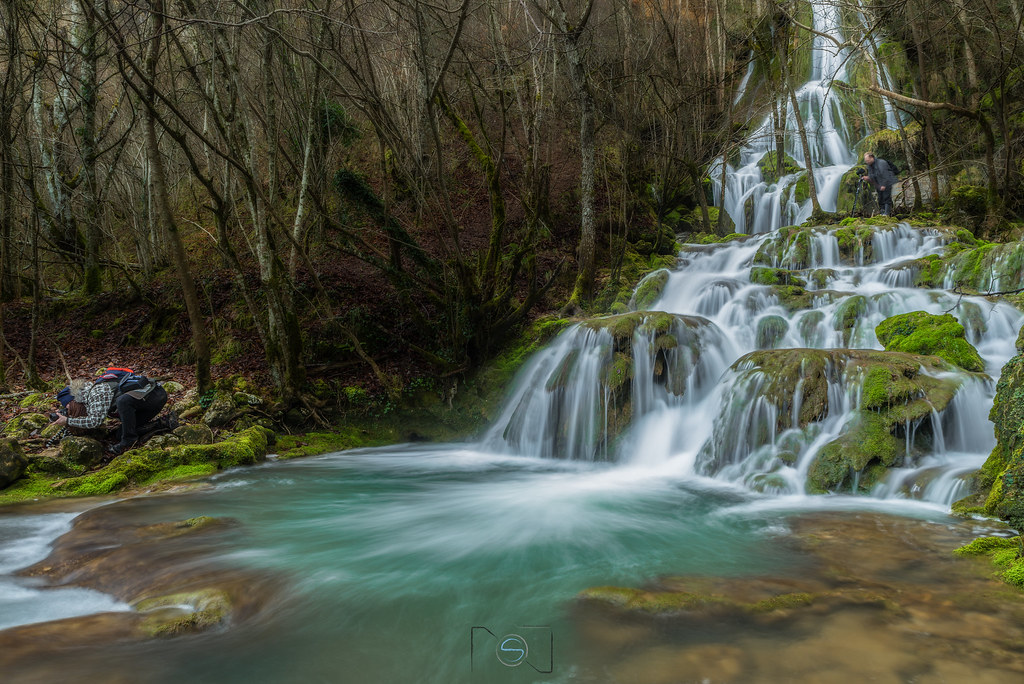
404, 564
392, 556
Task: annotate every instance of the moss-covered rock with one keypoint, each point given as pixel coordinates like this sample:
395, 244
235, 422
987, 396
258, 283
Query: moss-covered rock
1005, 553
80, 453
771, 330
198, 433
762, 275
848, 314
984, 268
865, 442
898, 389
1005, 467
919, 332
770, 167
222, 410
163, 441
173, 387
649, 290
23, 425
36, 400
145, 466
206, 608
12, 461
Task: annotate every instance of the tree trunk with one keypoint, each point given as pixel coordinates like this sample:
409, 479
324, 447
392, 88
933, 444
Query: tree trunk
84, 41
811, 185
164, 214
588, 229
929, 124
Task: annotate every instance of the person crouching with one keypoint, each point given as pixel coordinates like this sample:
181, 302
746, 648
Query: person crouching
136, 408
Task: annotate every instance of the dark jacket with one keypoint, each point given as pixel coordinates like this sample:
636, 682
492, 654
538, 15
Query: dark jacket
880, 174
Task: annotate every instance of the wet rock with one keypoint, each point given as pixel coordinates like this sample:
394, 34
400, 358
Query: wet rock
867, 596
770, 331
12, 461
166, 571
246, 399
649, 290
776, 391
919, 332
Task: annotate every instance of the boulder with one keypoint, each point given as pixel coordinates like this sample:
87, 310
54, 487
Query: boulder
897, 389
173, 387
80, 451
919, 332
222, 410
12, 461
25, 424
198, 433
163, 441
649, 290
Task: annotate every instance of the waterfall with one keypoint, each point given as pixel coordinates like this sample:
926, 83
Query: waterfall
757, 204
687, 383
676, 387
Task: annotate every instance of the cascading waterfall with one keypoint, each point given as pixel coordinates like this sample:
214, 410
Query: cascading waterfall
760, 205
691, 408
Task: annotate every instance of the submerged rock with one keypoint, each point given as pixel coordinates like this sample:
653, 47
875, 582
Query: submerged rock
919, 332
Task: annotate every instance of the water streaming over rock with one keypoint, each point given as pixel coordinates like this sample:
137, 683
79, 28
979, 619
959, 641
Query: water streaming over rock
679, 385
757, 197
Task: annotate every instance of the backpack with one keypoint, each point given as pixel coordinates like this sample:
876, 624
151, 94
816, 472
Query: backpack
892, 165
127, 381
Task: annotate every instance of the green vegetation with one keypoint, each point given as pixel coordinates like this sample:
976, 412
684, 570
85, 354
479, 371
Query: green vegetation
919, 332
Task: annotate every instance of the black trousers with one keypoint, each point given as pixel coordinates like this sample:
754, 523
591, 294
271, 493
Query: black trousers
885, 201
136, 414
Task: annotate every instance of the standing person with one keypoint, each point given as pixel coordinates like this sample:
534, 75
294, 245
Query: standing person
135, 400
882, 177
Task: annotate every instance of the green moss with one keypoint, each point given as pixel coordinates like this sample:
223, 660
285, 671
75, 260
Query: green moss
820, 277
783, 602
650, 289
866, 442
848, 314
181, 472
210, 608
919, 332
35, 400
770, 331
760, 275
619, 372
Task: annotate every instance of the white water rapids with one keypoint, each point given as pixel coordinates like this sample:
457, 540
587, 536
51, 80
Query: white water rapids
721, 426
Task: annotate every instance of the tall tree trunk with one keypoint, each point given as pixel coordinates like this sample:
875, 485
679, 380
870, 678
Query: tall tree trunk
84, 41
164, 214
904, 141
811, 185
32, 361
588, 229
934, 161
